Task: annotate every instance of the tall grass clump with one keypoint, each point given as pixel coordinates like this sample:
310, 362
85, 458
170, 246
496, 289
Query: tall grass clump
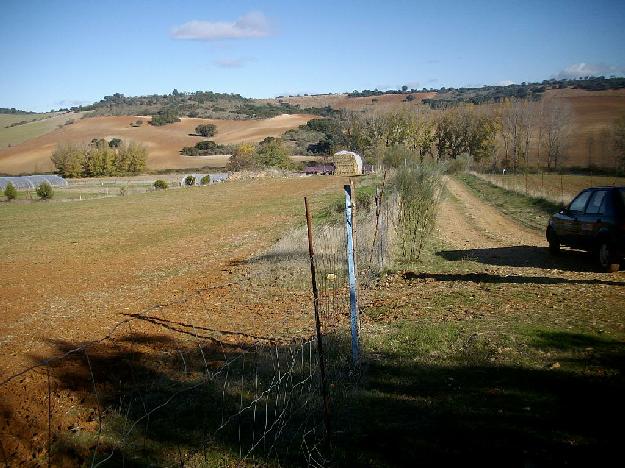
419, 189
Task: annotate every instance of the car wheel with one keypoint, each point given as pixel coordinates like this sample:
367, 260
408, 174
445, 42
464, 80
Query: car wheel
554, 243
606, 258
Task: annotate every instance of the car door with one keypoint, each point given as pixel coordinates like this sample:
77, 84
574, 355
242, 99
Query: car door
593, 219
568, 222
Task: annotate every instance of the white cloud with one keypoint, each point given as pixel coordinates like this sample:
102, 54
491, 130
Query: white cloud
505, 83
250, 25
588, 69
232, 62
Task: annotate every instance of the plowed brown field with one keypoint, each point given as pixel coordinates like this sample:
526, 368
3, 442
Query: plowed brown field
164, 143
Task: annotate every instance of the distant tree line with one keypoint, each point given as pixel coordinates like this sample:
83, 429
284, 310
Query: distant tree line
13, 110
100, 158
447, 97
198, 104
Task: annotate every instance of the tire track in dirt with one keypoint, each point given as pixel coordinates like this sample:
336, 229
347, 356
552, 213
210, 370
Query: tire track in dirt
466, 222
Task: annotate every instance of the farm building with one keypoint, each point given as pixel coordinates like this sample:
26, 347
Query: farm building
347, 163
324, 169
32, 181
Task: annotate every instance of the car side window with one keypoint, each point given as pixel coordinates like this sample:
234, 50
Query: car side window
579, 203
596, 205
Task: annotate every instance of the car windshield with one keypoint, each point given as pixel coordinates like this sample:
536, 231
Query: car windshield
622, 192
580, 202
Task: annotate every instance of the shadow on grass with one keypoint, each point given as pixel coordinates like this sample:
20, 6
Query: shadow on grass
471, 412
525, 256
507, 279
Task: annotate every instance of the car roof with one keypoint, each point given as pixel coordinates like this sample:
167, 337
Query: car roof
605, 187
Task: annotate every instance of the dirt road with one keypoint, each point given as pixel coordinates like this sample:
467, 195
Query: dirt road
466, 222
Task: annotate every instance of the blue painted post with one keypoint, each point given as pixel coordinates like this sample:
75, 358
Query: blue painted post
351, 270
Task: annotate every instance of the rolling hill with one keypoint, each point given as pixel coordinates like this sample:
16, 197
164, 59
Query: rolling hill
163, 143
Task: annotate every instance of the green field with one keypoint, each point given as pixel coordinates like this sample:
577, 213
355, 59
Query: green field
44, 123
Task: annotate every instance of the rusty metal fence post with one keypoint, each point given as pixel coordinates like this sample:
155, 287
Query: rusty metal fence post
322, 369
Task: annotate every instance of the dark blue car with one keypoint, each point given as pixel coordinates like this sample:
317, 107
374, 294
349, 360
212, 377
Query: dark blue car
594, 221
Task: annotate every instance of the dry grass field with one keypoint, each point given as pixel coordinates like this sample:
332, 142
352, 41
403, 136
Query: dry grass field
164, 143
592, 115
553, 187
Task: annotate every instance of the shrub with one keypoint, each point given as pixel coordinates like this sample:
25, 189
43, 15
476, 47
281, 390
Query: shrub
190, 151
115, 143
242, 158
206, 130
167, 116
205, 180
207, 145
10, 192
273, 153
160, 184
459, 165
189, 180
419, 188
44, 191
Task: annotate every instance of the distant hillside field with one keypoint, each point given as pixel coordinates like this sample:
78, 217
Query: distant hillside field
163, 143
13, 132
592, 114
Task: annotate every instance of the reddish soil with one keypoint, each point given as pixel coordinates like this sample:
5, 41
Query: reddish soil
149, 290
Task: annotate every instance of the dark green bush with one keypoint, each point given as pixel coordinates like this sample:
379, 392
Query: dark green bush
206, 145
44, 191
189, 180
165, 117
160, 184
10, 192
205, 180
190, 151
206, 130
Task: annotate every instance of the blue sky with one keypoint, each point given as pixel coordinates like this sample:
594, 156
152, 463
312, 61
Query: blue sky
57, 53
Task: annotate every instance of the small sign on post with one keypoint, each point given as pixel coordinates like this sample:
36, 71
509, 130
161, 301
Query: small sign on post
351, 271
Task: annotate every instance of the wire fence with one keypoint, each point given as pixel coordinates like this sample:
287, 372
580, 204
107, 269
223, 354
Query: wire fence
147, 393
